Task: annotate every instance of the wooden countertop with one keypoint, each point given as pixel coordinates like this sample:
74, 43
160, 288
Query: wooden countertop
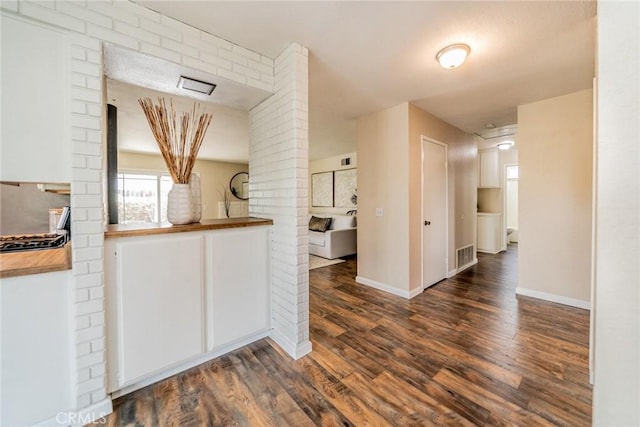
130, 230
14, 264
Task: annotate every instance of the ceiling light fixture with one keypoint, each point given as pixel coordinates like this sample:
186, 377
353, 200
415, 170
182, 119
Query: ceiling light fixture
453, 56
505, 145
196, 85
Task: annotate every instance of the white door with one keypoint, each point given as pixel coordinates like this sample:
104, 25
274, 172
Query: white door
434, 211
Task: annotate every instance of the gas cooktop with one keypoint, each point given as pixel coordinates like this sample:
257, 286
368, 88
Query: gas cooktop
30, 242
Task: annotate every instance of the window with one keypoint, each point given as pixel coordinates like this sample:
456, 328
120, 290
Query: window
142, 197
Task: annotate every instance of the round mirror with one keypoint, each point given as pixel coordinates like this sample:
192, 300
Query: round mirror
239, 185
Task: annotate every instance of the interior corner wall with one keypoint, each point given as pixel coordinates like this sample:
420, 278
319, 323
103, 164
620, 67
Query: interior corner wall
214, 176
278, 189
555, 138
326, 165
383, 174
616, 390
462, 154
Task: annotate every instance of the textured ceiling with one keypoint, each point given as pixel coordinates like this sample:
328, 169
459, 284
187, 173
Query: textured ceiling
367, 56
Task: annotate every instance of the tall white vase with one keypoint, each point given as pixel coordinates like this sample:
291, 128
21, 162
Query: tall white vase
196, 197
179, 209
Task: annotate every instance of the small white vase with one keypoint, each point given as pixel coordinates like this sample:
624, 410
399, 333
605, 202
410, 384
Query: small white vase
179, 209
196, 197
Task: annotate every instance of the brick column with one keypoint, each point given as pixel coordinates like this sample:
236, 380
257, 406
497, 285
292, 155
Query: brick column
278, 165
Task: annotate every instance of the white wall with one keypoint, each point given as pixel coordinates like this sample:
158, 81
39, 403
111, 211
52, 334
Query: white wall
214, 176
616, 392
326, 165
555, 189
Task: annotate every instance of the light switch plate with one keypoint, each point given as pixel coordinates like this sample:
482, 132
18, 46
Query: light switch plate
378, 211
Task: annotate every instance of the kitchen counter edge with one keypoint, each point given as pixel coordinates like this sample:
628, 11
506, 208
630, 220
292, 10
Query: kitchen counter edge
16, 264
132, 230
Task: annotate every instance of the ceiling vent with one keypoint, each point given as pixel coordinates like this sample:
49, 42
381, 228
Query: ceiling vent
196, 85
498, 132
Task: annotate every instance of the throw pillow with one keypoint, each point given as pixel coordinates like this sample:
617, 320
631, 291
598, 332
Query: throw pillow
319, 224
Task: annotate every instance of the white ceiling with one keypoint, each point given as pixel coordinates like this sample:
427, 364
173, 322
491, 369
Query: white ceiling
367, 56
227, 138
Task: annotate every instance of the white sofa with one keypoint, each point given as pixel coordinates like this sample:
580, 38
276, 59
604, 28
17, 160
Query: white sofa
338, 241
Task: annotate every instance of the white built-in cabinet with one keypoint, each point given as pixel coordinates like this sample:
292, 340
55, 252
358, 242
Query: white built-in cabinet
36, 347
176, 300
237, 291
489, 168
35, 97
489, 232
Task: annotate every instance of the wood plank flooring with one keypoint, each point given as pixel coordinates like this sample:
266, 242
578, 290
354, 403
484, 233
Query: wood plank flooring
464, 352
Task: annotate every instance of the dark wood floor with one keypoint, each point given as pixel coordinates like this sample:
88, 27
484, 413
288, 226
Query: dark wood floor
464, 352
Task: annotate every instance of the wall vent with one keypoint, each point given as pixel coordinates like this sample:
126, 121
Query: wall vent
346, 161
464, 256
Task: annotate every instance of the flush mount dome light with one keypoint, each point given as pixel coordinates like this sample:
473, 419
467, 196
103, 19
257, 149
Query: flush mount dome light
505, 145
196, 85
453, 55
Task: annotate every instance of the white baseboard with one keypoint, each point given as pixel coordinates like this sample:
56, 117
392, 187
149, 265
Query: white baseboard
461, 269
586, 305
415, 292
296, 351
484, 251
387, 288
166, 373
95, 412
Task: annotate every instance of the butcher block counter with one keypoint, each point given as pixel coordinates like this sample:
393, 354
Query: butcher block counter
15, 264
131, 230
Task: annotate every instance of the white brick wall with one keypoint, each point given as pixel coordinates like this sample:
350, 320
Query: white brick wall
278, 164
130, 25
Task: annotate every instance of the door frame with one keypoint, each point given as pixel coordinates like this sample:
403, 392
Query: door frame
505, 238
423, 140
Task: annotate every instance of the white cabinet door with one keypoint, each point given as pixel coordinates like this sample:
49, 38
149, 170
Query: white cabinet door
489, 169
36, 348
489, 234
238, 285
35, 92
159, 303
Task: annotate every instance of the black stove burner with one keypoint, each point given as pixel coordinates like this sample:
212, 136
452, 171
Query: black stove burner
32, 242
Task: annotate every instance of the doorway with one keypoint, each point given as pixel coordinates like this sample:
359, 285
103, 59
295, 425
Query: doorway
510, 204
434, 212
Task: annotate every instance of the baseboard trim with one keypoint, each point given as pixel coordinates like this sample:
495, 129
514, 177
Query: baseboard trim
183, 366
388, 288
415, 292
461, 269
96, 411
296, 351
485, 251
586, 305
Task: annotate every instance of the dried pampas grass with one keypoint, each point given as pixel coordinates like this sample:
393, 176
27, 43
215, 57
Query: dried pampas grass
179, 140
